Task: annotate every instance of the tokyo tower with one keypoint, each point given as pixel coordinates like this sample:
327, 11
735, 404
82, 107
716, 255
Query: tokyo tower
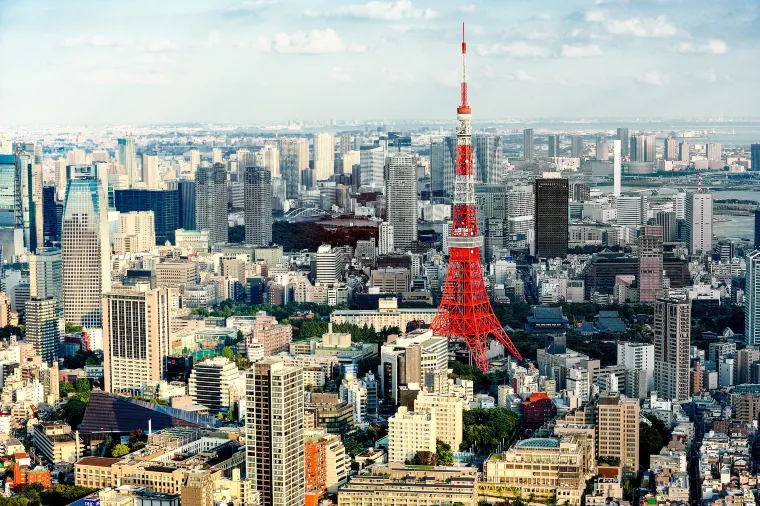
465, 311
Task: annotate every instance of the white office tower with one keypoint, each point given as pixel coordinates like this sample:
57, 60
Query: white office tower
752, 300
269, 158
85, 250
43, 329
385, 243
401, 199
210, 384
324, 155
351, 158
637, 357
520, 209
150, 172
372, 164
137, 232
672, 339
329, 264
126, 157
409, 433
216, 156
617, 170
136, 326
46, 275
195, 162
679, 205
699, 222
274, 432
632, 211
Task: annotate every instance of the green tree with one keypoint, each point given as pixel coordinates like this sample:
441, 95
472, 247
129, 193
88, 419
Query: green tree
72, 412
228, 353
65, 389
119, 451
71, 328
444, 453
424, 458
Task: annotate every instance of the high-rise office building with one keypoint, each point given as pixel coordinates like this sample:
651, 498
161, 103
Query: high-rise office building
43, 329
554, 146
294, 159
617, 429
699, 222
385, 236
670, 148
667, 220
755, 156
714, 151
127, 158
46, 275
683, 152
258, 206
50, 225
436, 167
269, 158
345, 144
521, 204
551, 216
602, 148
752, 300
324, 155
576, 146
757, 228
274, 432
632, 211
401, 199
211, 382
672, 339
9, 192
486, 158
150, 174
136, 233
85, 250
195, 162
617, 168
211, 202
329, 264
624, 136
528, 144
184, 190
29, 200
643, 148
650, 263
136, 326
163, 203
372, 160
216, 156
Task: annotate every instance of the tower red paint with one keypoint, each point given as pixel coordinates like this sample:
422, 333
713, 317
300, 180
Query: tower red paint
465, 311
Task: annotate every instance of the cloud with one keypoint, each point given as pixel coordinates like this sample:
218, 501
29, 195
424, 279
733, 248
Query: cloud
713, 46
380, 11
517, 49
581, 51
339, 74
467, 9
89, 40
314, 42
652, 78
633, 27
160, 46
213, 38
397, 76
520, 76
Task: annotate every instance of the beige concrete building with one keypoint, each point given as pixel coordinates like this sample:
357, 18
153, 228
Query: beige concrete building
397, 485
617, 430
447, 413
56, 442
276, 338
137, 232
136, 329
387, 315
191, 240
94, 472
176, 274
540, 467
390, 280
409, 433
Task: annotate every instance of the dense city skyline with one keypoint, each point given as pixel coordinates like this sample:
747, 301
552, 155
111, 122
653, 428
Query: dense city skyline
244, 61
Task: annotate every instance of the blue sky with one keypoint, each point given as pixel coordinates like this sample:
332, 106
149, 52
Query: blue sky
136, 61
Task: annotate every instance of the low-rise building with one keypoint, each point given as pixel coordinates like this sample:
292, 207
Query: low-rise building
56, 442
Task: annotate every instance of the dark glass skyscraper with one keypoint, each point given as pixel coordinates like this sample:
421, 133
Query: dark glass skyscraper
163, 203
755, 156
551, 217
757, 229
8, 191
185, 202
50, 228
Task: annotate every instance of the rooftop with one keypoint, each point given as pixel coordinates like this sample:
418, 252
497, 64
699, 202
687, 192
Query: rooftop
538, 443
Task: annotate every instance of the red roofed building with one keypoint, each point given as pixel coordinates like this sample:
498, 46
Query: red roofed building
538, 410
23, 476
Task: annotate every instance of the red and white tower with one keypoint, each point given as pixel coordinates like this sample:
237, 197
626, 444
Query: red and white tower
465, 311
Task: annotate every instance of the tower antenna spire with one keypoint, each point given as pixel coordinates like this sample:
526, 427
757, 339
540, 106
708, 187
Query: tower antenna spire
463, 104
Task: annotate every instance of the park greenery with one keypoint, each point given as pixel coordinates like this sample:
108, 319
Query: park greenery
485, 429
72, 412
57, 495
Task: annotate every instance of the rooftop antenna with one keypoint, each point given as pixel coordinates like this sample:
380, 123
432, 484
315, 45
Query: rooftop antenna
699, 183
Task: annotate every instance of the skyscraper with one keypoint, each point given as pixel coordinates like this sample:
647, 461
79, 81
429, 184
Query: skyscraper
436, 167
755, 156
185, 195
294, 158
699, 221
602, 148
385, 239
486, 154
9, 191
372, 162
554, 145
528, 144
50, 230
43, 328
274, 432
617, 169
195, 162
135, 337
85, 250
714, 151
150, 172
46, 275
127, 158
683, 152
401, 199
632, 211
551, 216
29, 214
324, 155
672, 339
576, 146
670, 148
752, 300
650, 263
163, 203
667, 220
211, 202
269, 158
258, 206
757, 228
624, 136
